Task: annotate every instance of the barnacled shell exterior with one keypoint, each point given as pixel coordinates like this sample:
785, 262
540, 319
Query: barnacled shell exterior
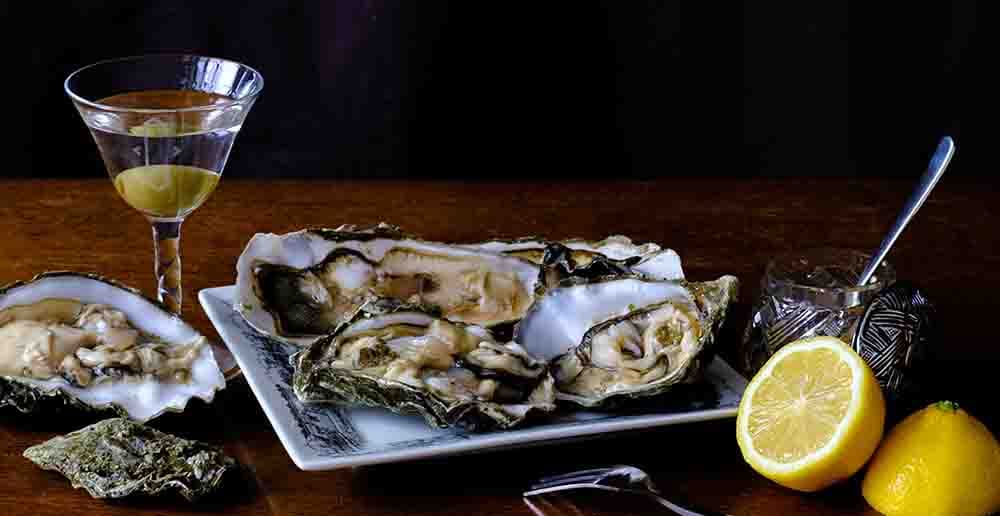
342, 387
118, 457
28, 398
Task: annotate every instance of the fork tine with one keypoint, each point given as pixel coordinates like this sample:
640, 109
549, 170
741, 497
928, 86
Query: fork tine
582, 479
572, 476
567, 487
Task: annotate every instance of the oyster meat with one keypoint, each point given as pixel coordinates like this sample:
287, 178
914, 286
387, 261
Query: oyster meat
301, 285
81, 340
117, 457
411, 362
624, 338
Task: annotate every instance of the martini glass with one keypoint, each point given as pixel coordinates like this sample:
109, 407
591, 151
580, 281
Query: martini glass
164, 125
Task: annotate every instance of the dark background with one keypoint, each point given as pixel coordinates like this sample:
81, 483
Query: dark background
546, 90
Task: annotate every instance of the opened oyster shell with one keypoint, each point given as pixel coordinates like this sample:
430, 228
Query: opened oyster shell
90, 343
615, 255
411, 362
618, 339
117, 457
301, 285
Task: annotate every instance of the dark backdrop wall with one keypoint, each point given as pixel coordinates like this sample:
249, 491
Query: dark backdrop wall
546, 90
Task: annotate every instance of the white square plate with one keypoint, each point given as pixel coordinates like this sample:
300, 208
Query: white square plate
321, 437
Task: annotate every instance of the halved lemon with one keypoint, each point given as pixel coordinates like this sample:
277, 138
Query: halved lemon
812, 416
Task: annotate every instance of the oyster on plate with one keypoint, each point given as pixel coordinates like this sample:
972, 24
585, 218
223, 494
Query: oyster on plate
615, 255
623, 338
90, 343
301, 285
411, 362
117, 457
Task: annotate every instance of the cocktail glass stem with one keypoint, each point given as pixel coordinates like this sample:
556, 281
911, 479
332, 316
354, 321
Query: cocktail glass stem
167, 252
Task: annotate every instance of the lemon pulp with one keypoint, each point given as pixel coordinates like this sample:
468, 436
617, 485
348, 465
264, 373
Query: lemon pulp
799, 408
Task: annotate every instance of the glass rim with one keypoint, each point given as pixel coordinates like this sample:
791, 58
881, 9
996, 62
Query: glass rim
783, 258
118, 109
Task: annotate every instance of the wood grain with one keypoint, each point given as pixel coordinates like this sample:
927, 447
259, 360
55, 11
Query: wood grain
718, 226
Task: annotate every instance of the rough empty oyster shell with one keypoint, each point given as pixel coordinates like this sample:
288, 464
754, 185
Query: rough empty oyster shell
625, 338
301, 285
412, 362
79, 340
117, 457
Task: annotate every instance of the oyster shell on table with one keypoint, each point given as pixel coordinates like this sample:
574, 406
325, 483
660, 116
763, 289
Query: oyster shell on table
615, 255
301, 285
79, 340
117, 457
624, 338
411, 362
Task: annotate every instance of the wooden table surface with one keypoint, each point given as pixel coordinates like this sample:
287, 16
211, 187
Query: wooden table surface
952, 251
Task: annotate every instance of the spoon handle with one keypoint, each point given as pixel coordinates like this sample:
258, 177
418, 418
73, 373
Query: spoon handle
939, 162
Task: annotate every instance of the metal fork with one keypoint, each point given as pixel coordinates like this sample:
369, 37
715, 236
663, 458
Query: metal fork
618, 479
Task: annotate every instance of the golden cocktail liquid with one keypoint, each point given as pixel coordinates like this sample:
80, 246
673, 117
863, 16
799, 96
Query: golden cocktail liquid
162, 163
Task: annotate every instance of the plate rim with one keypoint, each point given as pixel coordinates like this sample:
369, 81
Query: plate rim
532, 436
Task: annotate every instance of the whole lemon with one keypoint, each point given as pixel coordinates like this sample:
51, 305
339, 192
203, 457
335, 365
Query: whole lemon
937, 461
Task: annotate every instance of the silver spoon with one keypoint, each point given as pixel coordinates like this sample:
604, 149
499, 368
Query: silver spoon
935, 169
